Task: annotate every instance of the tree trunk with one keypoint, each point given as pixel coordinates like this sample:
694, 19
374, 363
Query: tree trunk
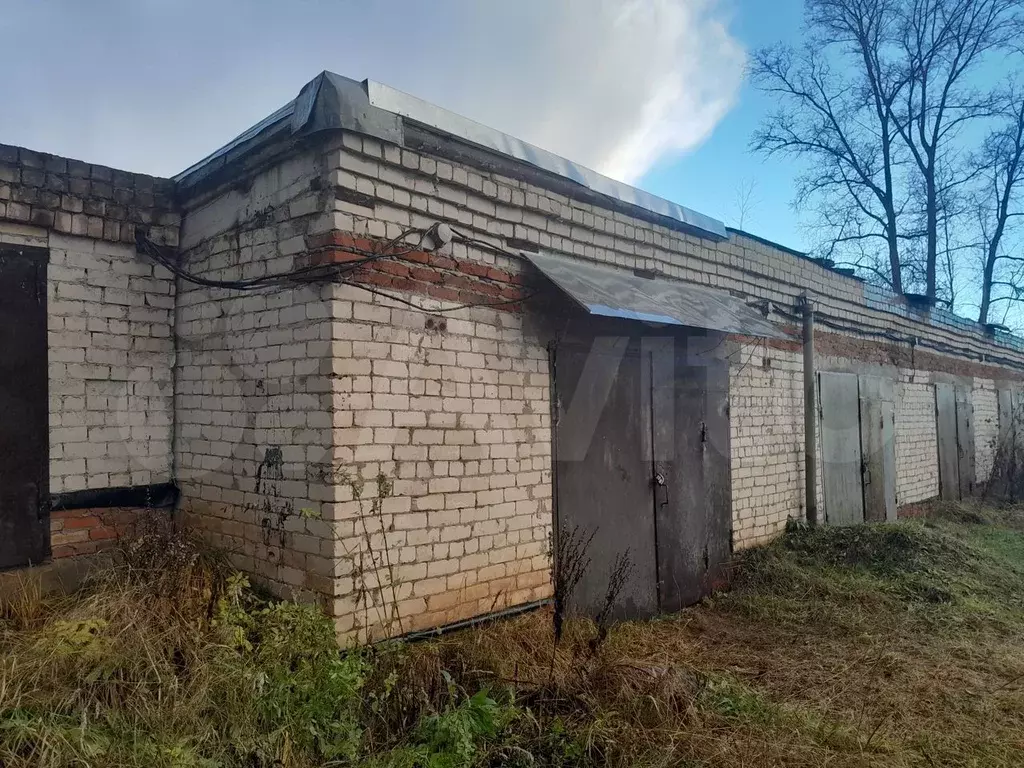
986, 286
932, 227
891, 232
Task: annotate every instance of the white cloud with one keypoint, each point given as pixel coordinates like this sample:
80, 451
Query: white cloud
613, 84
610, 84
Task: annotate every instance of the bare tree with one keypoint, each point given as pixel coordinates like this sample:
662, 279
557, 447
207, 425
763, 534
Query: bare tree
745, 201
998, 208
877, 101
843, 122
942, 44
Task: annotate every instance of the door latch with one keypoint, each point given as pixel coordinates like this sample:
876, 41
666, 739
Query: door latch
659, 479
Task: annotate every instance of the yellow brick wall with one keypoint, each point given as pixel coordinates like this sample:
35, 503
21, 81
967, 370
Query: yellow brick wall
456, 421
766, 404
459, 420
986, 427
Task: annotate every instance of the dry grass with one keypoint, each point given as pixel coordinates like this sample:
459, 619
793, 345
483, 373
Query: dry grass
164, 659
888, 645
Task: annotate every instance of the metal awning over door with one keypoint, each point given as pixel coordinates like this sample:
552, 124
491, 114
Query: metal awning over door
618, 292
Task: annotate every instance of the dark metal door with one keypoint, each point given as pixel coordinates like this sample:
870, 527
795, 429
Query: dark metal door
840, 448
642, 464
603, 470
693, 497
1006, 430
24, 437
965, 449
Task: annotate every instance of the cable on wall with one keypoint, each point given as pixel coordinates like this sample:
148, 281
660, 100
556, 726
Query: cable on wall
332, 272
389, 249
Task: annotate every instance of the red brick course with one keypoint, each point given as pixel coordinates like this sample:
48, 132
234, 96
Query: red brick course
418, 272
85, 531
892, 353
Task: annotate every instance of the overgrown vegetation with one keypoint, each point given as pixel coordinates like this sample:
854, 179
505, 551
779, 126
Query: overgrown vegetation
896, 645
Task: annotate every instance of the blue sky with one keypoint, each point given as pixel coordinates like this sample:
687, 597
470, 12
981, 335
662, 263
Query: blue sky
648, 91
714, 177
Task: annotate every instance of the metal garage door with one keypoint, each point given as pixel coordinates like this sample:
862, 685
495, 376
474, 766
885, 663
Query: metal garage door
642, 464
841, 448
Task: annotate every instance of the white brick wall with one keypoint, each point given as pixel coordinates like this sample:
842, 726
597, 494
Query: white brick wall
414, 189
460, 419
253, 392
917, 457
110, 357
766, 405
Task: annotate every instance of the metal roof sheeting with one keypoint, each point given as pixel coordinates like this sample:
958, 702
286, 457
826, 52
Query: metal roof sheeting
616, 292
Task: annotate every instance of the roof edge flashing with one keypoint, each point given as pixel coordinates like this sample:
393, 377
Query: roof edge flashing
465, 129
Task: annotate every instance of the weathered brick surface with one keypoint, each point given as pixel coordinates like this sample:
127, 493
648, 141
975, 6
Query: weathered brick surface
986, 426
398, 188
420, 272
766, 403
917, 450
456, 410
76, 198
253, 394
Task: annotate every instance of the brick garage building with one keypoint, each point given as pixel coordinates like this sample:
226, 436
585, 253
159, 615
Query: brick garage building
280, 344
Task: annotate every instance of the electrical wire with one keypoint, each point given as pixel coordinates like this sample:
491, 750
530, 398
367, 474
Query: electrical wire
278, 279
486, 245
333, 272
340, 273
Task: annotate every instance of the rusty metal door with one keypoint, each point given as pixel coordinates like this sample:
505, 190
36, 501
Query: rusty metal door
642, 464
965, 448
24, 404
945, 424
878, 447
840, 448
603, 469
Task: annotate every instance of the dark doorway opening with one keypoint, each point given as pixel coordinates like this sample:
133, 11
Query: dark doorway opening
24, 408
